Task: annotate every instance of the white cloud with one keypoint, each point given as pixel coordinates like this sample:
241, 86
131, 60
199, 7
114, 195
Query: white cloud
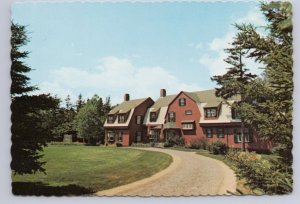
196, 45
114, 77
254, 16
214, 60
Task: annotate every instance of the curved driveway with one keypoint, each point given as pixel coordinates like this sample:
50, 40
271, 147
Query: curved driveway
188, 175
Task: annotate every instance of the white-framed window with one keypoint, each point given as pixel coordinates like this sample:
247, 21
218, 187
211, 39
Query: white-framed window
187, 126
138, 119
210, 112
182, 102
238, 135
138, 136
171, 117
122, 118
220, 132
209, 132
120, 136
111, 136
235, 114
111, 119
154, 135
188, 112
153, 116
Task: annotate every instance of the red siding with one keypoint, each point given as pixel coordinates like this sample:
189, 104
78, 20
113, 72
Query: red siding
181, 116
129, 134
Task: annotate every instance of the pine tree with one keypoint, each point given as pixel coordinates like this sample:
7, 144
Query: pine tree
30, 129
235, 80
271, 114
79, 103
20, 81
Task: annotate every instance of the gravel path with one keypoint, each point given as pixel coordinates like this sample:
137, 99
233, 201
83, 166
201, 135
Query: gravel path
188, 175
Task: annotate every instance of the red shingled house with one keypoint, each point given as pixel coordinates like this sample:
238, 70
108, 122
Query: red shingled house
124, 123
191, 115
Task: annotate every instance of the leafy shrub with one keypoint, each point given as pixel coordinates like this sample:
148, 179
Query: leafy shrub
118, 144
174, 141
197, 143
141, 145
217, 147
268, 176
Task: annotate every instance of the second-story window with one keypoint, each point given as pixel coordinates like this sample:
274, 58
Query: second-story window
210, 112
122, 118
138, 119
188, 112
182, 102
235, 114
153, 116
171, 117
111, 119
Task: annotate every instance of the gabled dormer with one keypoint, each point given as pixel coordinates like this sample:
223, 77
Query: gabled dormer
122, 114
156, 113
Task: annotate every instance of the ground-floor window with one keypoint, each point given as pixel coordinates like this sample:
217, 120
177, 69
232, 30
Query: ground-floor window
209, 132
238, 135
187, 126
154, 135
120, 136
220, 132
138, 136
111, 136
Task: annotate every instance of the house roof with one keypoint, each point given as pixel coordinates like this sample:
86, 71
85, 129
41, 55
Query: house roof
162, 101
209, 97
127, 106
212, 104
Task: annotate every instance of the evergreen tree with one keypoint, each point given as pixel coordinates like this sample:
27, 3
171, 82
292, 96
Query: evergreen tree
80, 102
30, 129
235, 80
270, 102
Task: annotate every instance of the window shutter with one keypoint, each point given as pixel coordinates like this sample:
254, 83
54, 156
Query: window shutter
174, 117
232, 113
235, 134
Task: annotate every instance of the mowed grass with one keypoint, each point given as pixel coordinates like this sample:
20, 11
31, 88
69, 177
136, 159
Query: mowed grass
78, 169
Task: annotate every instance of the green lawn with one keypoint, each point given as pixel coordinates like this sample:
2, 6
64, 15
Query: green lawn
78, 169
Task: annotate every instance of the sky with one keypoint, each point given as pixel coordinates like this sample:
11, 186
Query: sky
110, 49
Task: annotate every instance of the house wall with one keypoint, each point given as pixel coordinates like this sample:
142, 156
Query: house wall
181, 116
256, 144
134, 128
125, 133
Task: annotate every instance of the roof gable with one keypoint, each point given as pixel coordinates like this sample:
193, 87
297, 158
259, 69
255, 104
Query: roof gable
127, 106
162, 102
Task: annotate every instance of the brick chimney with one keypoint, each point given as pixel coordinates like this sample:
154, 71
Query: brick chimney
163, 93
126, 97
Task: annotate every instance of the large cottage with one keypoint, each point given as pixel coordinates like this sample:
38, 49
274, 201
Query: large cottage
124, 123
190, 115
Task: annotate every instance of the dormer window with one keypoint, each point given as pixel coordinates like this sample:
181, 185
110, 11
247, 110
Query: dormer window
122, 118
211, 112
153, 116
182, 102
235, 114
111, 119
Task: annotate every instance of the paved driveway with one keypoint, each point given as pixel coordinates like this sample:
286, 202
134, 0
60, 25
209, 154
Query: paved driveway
188, 175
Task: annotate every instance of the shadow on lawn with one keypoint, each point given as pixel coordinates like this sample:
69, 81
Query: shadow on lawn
42, 189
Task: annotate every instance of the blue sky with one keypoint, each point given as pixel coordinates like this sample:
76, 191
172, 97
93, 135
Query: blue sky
138, 48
